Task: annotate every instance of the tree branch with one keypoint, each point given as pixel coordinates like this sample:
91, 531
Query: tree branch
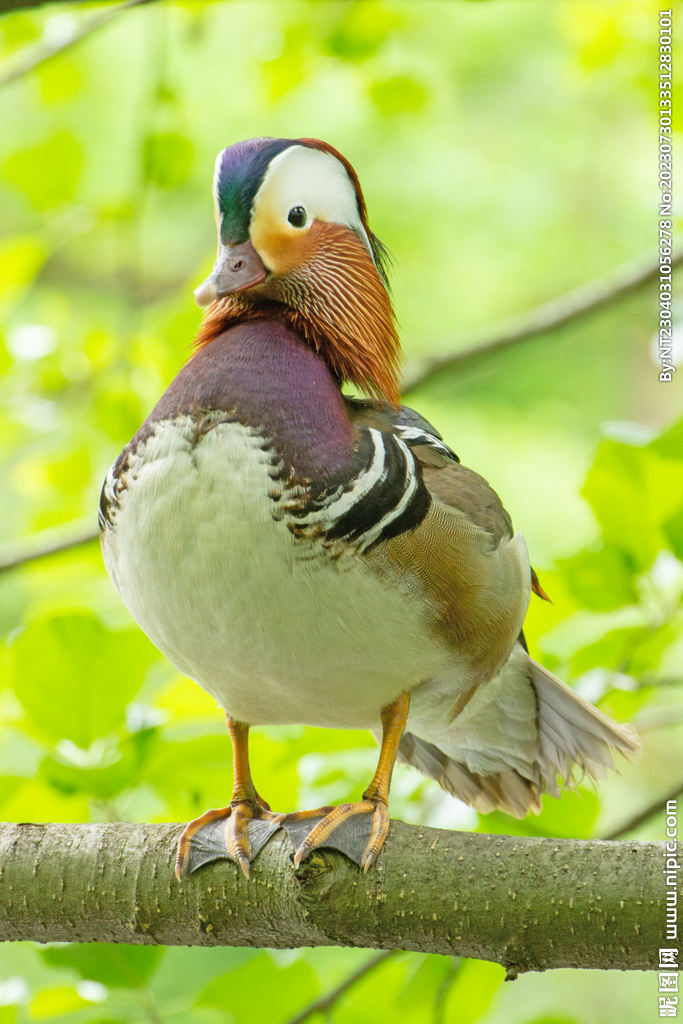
444, 988
325, 1003
48, 542
527, 903
7, 6
550, 316
42, 52
648, 812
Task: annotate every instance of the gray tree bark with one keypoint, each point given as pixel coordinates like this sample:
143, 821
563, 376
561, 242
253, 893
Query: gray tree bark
528, 904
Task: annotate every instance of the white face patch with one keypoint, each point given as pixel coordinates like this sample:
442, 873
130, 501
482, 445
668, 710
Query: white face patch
314, 180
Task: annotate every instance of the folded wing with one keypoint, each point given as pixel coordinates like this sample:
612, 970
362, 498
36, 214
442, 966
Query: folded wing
517, 731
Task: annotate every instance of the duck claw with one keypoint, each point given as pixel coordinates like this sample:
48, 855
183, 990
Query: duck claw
356, 830
234, 833
239, 833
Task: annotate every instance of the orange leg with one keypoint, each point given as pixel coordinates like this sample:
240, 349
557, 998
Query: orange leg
375, 798
246, 806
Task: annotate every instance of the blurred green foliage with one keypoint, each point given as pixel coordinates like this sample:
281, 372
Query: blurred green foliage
506, 150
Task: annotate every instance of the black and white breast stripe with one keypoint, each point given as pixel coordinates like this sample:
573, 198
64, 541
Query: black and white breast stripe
417, 436
385, 497
109, 501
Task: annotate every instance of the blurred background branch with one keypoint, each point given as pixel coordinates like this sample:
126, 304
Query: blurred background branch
49, 542
550, 316
656, 807
325, 1003
70, 35
9, 6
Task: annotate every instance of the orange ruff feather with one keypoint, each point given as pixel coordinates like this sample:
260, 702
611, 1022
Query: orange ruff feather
337, 301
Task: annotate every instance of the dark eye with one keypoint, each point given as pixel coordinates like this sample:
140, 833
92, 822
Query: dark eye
297, 216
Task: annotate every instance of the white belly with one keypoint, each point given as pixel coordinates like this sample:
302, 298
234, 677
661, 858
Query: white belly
275, 633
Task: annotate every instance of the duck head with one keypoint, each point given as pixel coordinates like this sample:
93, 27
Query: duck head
294, 244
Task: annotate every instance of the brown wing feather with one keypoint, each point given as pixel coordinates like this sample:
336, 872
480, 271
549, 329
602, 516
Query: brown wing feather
451, 482
526, 728
462, 488
462, 556
478, 589
537, 588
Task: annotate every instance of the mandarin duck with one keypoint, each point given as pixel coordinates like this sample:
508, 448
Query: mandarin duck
308, 557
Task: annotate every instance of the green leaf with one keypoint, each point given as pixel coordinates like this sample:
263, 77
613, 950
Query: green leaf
497, 823
553, 1020
112, 964
363, 30
614, 650
377, 997
632, 492
673, 531
573, 816
669, 444
260, 992
19, 29
102, 782
48, 174
193, 773
8, 785
8, 1014
56, 1002
601, 580
654, 647
622, 705
21, 257
186, 970
416, 998
59, 80
167, 159
75, 678
470, 995
398, 95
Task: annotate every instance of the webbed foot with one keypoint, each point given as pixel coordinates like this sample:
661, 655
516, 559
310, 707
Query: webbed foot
357, 830
237, 832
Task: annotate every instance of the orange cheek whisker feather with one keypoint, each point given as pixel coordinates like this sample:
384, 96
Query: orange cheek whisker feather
339, 303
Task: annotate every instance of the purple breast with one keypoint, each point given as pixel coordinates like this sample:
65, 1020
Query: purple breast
267, 377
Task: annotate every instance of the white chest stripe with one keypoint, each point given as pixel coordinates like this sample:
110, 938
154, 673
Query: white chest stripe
393, 482
411, 484
365, 481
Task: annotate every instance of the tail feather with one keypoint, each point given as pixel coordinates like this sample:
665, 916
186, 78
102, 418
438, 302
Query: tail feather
507, 791
571, 734
574, 733
574, 744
